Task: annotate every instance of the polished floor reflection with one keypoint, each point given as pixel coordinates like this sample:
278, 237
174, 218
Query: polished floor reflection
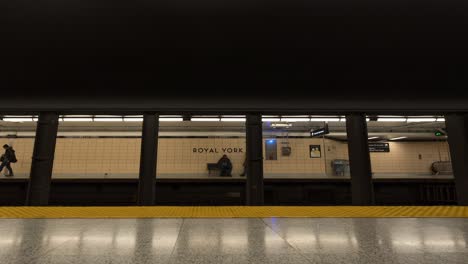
252, 240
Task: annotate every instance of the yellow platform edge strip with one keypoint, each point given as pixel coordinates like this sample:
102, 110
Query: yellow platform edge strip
236, 212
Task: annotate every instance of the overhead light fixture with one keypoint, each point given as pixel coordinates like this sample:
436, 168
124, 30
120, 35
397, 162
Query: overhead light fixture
136, 118
295, 119
373, 138
391, 119
398, 138
233, 119
77, 119
271, 119
108, 118
205, 119
18, 119
421, 119
171, 119
440, 119
325, 119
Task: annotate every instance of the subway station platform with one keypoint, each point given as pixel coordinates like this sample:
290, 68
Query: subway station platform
233, 240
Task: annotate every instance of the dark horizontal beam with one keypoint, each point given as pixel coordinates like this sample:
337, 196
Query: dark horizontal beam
342, 112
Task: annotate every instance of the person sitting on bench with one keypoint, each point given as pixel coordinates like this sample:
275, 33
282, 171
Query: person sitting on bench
225, 166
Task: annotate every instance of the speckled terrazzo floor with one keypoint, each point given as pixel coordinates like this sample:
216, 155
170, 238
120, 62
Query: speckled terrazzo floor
235, 240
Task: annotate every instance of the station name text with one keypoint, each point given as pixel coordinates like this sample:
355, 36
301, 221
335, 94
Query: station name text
216, 150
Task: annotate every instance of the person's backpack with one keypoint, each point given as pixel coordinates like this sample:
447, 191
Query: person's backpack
13, 157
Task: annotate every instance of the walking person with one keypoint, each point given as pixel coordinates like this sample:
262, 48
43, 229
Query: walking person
7, 158
245, 166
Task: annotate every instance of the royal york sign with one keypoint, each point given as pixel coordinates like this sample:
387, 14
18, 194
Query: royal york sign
218, 150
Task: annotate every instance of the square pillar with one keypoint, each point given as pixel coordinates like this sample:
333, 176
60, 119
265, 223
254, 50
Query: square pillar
254, 182
42, 160
457, 131
148, 159
359, 160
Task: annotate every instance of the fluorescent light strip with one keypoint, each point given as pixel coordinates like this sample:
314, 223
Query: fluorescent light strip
205, 119
108, 118
441, 119
236, 119
391, 119
171, 119
77, 119
422, 119
325, 119
135, 118
18, 119
291, 119
397, 138
271, 119
373, 138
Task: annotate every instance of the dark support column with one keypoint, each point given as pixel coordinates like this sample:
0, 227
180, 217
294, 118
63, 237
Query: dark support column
148, 159
359, 160
457, 131
254, 160
43, 159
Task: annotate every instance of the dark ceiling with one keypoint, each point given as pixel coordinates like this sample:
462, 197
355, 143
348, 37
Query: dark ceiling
234, 55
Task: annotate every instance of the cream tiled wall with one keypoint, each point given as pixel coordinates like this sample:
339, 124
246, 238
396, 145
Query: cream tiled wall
119, 157
299, 162
404, 157
175, 155
103, 156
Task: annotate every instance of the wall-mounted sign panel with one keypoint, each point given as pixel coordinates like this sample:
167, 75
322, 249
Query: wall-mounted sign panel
379, 147
320, 131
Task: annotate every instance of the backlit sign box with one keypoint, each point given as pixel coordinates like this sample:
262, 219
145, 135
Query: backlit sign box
379, 147
320, 131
